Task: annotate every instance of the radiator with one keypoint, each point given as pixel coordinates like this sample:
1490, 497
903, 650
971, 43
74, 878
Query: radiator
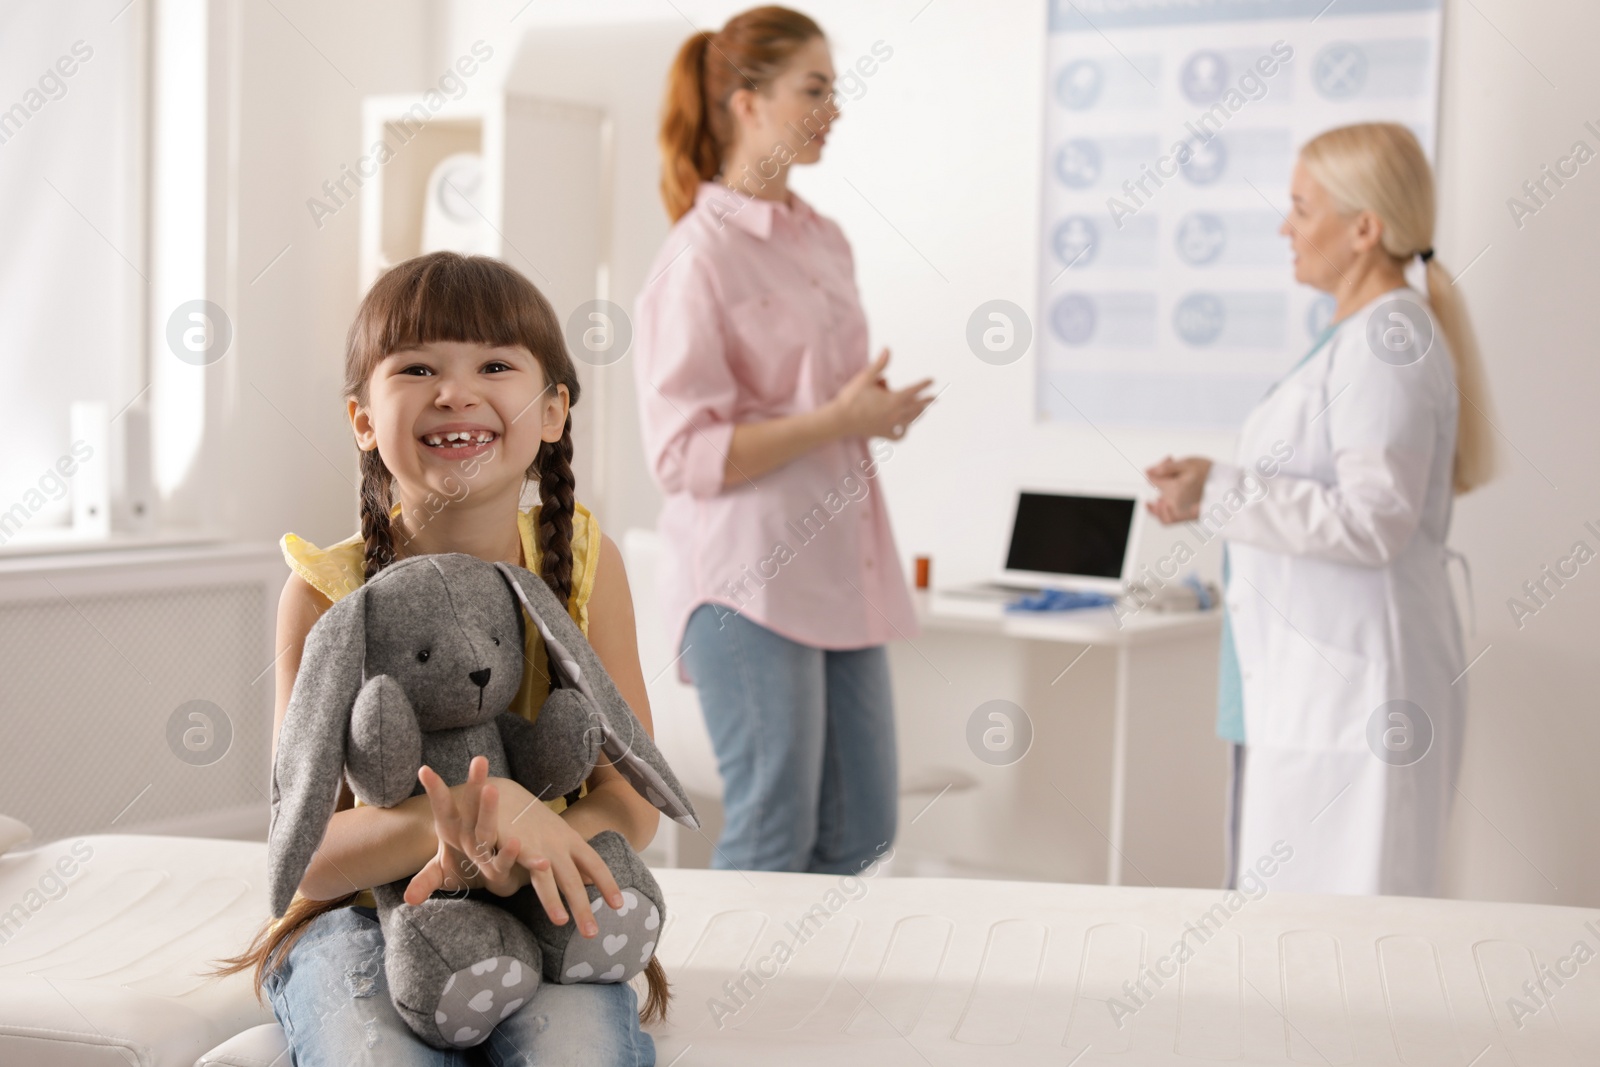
136, 690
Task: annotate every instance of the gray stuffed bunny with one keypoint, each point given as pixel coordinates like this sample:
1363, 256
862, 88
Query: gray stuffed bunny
420, 666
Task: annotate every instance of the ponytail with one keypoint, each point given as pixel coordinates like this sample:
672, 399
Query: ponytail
696, 127
1475, 458
689, 152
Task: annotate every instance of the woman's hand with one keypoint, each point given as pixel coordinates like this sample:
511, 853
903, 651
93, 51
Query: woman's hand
1181, 482
472, 852
867, 407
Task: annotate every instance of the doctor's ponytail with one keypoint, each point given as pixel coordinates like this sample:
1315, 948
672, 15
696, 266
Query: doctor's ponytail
1474, 434
1380, 167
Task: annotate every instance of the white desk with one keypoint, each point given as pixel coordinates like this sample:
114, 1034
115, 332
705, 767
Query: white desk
1087, 627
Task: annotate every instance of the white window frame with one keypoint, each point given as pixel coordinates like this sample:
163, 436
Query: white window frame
165, 444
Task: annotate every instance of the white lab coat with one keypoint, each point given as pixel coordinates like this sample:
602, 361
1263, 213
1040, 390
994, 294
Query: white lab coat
1340, 603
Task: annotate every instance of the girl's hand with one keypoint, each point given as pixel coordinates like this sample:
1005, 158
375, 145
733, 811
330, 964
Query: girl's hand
466, 822
1182, 483
559, 861
866, 407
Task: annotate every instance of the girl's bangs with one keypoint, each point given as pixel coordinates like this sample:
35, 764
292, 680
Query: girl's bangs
459, 299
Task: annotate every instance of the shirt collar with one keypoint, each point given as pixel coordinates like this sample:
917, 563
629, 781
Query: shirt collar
751, 214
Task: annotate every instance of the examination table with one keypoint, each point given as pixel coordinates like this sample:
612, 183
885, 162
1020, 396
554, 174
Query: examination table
96, 967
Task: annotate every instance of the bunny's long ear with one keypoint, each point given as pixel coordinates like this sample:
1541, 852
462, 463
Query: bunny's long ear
575, 665
309, 762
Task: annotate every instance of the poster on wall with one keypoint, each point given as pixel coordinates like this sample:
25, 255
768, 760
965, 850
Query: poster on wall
1166, 293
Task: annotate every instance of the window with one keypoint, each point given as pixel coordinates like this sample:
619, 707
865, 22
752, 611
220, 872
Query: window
73, 263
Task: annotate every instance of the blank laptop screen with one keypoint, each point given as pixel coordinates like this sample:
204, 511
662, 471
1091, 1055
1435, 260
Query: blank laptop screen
1070, 535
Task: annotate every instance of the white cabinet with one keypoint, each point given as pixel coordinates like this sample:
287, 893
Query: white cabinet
539, 198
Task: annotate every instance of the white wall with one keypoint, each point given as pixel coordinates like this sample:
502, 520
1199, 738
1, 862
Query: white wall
932, 174
1518, 90
304, 69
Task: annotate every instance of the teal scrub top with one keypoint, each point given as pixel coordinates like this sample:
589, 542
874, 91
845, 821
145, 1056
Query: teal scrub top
1230, 686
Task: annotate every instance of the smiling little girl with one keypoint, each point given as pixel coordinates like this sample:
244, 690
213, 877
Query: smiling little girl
458, 388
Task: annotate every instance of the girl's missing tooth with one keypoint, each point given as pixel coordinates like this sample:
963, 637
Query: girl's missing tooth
458, 388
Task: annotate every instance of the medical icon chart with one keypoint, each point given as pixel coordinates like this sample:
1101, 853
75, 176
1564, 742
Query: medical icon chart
1166, 292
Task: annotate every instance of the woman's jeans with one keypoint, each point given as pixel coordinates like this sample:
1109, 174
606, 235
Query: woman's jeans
332, 1000
805, 741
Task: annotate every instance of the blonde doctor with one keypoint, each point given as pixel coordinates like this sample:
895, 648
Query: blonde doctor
1342, 652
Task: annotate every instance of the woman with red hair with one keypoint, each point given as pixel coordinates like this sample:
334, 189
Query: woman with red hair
758, 401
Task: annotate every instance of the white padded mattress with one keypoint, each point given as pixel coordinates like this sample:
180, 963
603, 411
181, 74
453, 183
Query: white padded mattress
101, 966
805, 969
945, 971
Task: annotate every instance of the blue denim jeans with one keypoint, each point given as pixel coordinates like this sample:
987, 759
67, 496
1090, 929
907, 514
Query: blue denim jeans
805, 741
332, 1000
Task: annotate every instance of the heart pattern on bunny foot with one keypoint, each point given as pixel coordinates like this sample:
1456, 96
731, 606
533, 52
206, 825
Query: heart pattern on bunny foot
622, 948
476, 998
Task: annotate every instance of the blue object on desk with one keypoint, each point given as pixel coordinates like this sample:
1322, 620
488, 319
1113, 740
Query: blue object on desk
1060, 600
1202, 595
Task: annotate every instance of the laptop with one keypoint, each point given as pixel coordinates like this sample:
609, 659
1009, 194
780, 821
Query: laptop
1082, 541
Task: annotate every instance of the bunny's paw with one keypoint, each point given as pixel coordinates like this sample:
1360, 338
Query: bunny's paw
477, 997
625, 943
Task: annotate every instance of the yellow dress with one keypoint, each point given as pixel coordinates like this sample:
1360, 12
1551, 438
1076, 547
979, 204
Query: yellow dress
337, 571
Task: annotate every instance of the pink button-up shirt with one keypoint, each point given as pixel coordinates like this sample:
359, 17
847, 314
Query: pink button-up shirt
751, 313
